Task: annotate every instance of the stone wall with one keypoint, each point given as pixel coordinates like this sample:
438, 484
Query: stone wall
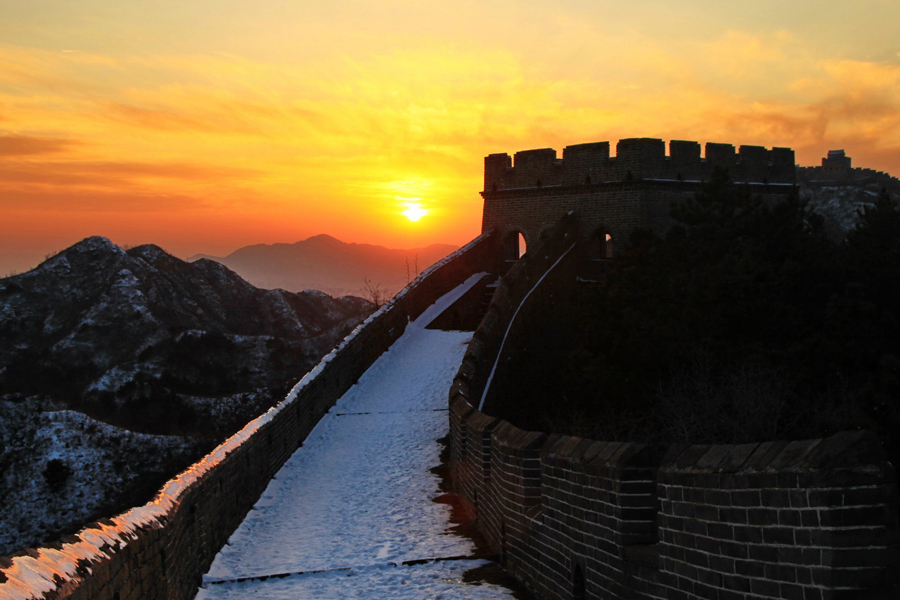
853, 175
579, 518
635, 188
162, 549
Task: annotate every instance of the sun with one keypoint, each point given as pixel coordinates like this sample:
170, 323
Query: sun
414, 212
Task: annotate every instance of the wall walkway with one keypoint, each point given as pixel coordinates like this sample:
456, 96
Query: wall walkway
352, 514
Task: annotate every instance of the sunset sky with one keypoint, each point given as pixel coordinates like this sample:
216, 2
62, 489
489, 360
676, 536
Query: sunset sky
207, 125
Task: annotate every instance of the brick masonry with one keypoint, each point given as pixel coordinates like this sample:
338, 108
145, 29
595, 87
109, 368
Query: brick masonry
579, 518
162, 549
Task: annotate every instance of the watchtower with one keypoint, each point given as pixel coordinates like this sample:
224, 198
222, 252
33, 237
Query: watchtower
526, 194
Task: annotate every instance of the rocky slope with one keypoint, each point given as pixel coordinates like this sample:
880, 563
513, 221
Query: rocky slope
331, 265
118, 368
840, 202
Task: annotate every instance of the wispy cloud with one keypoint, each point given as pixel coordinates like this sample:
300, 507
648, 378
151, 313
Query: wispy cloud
23, 145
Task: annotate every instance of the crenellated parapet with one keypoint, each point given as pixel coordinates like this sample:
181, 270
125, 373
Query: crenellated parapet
637, 187
636, 159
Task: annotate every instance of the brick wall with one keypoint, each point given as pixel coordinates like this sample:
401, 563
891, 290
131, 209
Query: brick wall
804, 519
578, 518
161, 550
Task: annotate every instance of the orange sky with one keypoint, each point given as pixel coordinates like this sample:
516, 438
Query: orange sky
203, 126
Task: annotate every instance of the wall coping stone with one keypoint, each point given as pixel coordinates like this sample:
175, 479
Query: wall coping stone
482, 423
846, 449
508, 436
460, 407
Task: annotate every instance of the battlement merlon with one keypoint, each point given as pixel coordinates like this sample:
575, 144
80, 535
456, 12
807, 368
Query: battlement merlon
636, 159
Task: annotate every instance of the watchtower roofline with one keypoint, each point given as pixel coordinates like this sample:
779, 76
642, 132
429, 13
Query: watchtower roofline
636, 159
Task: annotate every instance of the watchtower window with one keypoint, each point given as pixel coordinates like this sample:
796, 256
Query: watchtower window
514, 246
601, 245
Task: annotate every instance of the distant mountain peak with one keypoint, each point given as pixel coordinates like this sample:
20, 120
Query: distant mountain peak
322, 238
94, 243
152, 254
326, 263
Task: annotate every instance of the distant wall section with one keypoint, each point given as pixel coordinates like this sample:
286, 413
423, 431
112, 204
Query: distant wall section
837, 168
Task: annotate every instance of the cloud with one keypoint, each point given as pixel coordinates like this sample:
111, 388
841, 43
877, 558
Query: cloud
106, 202
23, 145
115, 186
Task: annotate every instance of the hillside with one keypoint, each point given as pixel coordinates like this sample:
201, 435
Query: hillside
840, 202
328, 264
119, 368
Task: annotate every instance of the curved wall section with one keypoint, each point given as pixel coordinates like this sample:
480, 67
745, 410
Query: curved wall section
162, 549
579, 518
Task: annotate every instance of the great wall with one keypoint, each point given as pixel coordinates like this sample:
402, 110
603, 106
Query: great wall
568, 517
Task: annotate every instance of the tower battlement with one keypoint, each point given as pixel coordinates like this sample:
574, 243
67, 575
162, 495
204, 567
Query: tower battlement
636, 159
527, 192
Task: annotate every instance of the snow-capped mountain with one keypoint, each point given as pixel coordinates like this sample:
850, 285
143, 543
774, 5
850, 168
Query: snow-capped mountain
120, 367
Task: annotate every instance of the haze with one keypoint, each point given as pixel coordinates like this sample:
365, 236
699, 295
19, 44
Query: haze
203, 126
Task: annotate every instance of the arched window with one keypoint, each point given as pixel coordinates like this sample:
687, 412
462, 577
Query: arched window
601, 245
514, 246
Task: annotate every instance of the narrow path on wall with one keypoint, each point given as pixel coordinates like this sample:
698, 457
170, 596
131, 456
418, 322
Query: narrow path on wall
351, 514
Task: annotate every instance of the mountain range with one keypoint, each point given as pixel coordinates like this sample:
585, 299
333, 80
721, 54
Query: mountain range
328, 264
120, 368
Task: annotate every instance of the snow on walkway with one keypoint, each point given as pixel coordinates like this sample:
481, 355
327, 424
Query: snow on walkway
356, 500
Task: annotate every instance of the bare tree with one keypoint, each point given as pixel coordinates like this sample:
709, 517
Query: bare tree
414, 272
374, 292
